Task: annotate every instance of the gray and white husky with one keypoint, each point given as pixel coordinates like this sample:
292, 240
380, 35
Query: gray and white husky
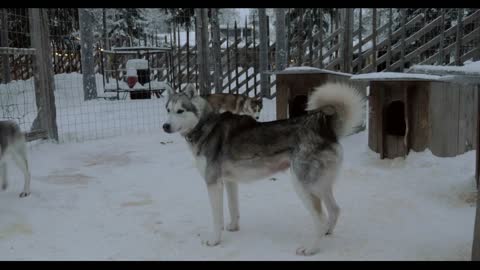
12, 143
230, 149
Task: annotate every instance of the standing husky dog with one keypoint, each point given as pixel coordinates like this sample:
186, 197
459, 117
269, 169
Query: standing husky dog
12, 141
236, 104
229, 149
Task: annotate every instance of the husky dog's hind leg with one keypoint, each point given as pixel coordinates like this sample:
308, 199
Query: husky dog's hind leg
313, 179
232, 195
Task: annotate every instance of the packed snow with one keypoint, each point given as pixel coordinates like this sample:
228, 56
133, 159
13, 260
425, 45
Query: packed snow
394, 76
138, 196
471, 68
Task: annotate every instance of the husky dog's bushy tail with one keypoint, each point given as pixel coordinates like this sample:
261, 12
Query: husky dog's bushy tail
343, 101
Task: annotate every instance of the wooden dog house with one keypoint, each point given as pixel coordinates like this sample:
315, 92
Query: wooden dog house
294, 85
416, 112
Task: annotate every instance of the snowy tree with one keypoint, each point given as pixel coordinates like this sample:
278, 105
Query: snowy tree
128, 23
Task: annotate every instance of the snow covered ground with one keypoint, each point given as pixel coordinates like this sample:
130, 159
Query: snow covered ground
135, 195
139, 197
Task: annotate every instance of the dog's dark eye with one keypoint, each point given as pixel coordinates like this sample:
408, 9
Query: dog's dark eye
168, 110
180, 111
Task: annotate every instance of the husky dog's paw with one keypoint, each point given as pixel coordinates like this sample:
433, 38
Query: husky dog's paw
24, 194
233, 227
307, 251
210, 242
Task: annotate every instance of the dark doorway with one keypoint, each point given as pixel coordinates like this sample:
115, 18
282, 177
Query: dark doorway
297, 106
395, 118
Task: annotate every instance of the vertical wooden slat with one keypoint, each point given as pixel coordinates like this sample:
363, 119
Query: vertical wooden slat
255, 69
188, 53
179, 57
403, 19
280, 49
389, 39
310, 39
299, 40
445, 122
288, 36
320, 40
217, 60
441, 54
202, 50
236, 56
465, 118
458, 43
347, 40
228, 61
374, 40
43, 73
171, 58
245, 63
264, 86
360, 43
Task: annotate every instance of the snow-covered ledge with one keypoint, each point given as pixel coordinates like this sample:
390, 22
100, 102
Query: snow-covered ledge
307, 69
394, 76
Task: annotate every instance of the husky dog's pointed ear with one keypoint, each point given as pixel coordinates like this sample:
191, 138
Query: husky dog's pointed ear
170, 90
190, 90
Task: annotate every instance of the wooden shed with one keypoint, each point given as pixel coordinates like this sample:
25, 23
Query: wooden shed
416, 112
294, 85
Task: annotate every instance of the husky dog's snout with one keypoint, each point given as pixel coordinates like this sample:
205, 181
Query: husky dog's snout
167, 128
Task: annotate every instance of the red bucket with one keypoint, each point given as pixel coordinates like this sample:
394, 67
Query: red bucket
131, 81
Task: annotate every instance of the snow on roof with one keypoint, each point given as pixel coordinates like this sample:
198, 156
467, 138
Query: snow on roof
472, 68
137, 64
307, 69
387, 76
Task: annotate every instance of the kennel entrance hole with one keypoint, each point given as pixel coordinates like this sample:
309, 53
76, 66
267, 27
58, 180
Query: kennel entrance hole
298, 106
395, 123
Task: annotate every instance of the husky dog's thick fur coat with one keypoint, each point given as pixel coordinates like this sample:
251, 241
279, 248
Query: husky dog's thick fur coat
230, 149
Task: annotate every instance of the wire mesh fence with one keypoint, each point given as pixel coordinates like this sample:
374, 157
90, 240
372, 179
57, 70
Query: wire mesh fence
161, 45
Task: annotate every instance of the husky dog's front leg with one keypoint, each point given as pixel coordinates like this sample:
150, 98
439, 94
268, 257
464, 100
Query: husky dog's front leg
215, 193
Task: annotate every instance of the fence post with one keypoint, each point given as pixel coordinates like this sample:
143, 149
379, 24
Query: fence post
374, 40
86, 20
217, 57
43, 73
202, 50
263, 53
4, 43
458, 43
347, 39
281, 43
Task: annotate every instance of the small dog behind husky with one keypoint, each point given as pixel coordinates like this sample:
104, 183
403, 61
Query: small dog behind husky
12, 142
236, 104
230, 149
